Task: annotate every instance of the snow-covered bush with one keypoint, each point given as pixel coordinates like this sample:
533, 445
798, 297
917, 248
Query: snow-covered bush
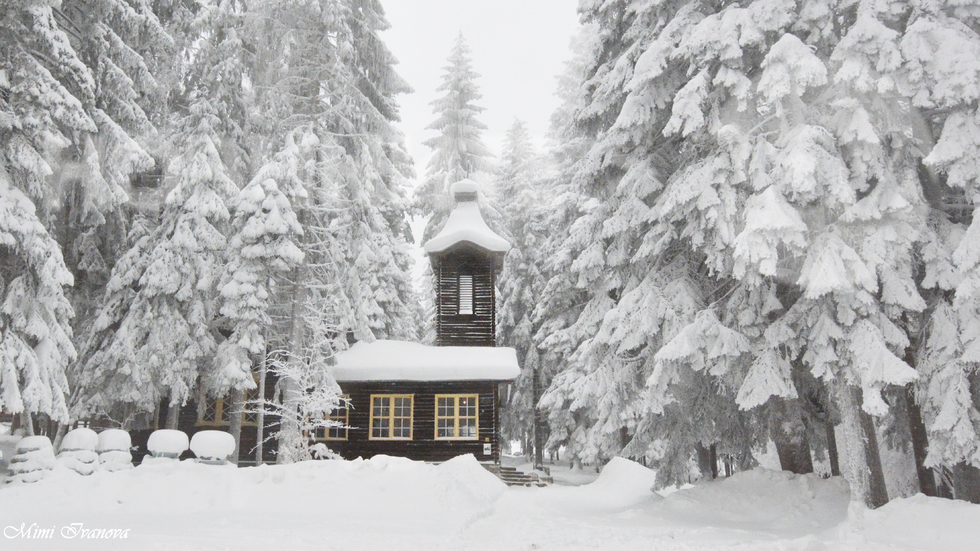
78, 451
114, 445
167, 443
34, 458
212, 446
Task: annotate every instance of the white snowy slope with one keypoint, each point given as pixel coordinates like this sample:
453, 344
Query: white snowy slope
384, 360
397, 504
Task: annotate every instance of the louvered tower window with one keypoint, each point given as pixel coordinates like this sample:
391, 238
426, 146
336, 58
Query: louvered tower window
466, 295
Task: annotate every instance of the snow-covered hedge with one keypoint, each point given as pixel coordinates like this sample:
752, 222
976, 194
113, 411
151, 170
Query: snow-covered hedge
33, 460
212, 446
78, 451
114, 445
167, 443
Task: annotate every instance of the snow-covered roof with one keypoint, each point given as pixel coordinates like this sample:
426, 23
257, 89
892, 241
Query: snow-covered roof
465, 223
410, 361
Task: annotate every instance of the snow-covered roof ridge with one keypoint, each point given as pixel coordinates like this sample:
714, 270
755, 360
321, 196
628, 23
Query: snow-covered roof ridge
385, 360
466, 223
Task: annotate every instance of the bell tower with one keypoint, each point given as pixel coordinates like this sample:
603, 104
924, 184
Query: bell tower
466, 255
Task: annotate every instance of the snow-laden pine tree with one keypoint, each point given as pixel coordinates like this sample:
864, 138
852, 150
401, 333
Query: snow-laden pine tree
519, 194
154, 334
261, 249
94, 176
939, 75
44, 92
458, 151
768, 157
112, 37
326, 70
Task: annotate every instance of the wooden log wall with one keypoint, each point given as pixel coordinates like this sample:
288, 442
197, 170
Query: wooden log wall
423, 446
476, 329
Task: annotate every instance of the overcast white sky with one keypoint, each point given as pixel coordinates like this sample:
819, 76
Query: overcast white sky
518, 47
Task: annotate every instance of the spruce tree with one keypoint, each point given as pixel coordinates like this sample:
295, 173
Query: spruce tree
45, 91
458, 151
325, 70
154, 333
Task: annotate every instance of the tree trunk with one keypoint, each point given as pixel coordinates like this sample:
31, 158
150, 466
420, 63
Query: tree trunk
860, 447
879, 493
173, 415
788, 432
27, 422
289, 428
59, 436
539, 420
713, 459
920, 443
707, 467
235, 422
260, 413
832, 450
966, 482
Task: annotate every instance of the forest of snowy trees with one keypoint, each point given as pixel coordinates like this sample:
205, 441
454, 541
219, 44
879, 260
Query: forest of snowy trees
753, 223
190, 188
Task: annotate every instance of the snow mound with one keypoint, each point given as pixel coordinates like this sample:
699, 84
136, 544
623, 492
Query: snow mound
212, 445
763, 500
466, 474
622, 473
167, 443
80, 439
414, 499
83, 462
114, 439
621, 484
33, 460
918, 522
31, 443
113, 449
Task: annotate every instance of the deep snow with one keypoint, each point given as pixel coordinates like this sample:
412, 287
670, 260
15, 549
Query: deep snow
397, 504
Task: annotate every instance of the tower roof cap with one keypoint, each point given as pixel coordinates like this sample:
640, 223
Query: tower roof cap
466, 224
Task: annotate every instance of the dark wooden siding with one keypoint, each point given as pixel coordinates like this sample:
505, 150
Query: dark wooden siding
187, 422
423, 446
452, 328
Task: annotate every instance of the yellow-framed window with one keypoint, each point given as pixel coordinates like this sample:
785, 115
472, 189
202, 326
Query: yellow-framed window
217, 411
391, 416
340, 415
457, 416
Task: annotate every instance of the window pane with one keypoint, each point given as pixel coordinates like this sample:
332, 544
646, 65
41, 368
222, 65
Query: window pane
210, 410
467, 428
379, 429
226, 411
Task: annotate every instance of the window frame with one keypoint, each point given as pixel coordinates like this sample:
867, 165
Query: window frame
219, 408
391, 417
345, 419
456, 417
459, 296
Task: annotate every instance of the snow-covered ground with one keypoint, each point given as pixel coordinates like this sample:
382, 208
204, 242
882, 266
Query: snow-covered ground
394, 504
